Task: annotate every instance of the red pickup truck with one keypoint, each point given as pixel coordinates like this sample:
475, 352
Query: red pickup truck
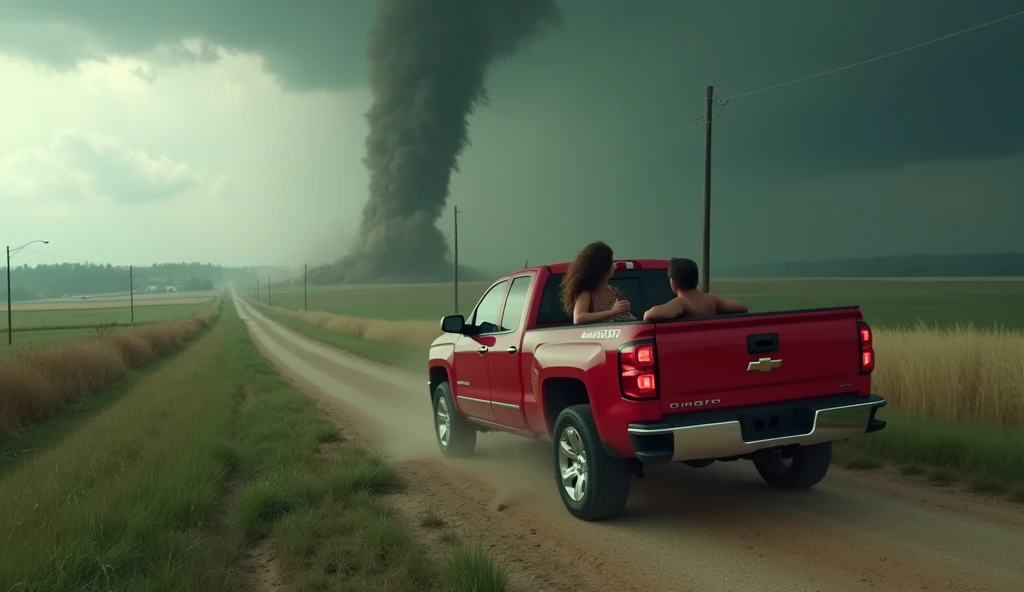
776, 388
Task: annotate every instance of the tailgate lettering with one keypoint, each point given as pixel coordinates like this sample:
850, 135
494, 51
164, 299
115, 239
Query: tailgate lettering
703, 403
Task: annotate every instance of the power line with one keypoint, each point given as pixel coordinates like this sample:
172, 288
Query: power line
725, 101
877, 58
51, 255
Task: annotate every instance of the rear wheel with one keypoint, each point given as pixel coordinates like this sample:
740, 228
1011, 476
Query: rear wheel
455, 436
592, 484
805, 467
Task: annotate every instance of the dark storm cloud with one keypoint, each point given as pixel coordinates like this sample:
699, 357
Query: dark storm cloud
307, 44
958, 98
646, 64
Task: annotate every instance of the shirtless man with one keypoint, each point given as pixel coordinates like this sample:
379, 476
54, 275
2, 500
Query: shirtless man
689, 301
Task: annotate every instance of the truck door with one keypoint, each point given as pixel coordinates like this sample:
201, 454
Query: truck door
504, 359
472, 387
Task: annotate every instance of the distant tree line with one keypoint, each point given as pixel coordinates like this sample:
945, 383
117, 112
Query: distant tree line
76, 279
988, 264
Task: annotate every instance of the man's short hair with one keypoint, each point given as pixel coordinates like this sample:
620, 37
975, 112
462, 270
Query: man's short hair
683, 272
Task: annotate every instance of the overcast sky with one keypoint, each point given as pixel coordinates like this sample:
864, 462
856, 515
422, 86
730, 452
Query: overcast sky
233, 131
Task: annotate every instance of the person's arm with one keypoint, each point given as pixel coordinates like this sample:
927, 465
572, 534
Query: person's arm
665, 312
728, 306
580, 316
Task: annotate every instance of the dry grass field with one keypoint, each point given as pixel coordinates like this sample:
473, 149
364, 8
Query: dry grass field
51, 322
38, 382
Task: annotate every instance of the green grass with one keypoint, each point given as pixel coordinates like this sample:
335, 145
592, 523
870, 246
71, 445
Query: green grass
120, 313
885, 302
167, 487
990, 458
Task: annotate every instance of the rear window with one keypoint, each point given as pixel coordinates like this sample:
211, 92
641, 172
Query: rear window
643, 288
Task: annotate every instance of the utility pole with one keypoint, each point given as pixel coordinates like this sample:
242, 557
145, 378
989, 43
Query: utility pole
131, 290
706, 253
456, 260
305, 290
257, 290
268, 290
10, 335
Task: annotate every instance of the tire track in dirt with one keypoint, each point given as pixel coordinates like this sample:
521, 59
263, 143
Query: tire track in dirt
717, 528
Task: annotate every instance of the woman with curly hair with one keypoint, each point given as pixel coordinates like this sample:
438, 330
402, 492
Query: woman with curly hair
586, 294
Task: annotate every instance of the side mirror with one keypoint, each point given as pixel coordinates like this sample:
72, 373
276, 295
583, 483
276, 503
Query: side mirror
453, 323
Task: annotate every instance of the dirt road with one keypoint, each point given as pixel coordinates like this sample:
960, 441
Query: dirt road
712, 529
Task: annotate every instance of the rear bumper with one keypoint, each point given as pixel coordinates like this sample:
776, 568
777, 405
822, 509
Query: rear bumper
727, 433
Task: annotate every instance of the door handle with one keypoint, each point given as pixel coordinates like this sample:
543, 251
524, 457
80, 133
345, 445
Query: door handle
512, 349
482, 350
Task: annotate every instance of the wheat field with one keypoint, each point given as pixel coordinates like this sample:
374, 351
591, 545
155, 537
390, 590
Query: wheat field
959, 372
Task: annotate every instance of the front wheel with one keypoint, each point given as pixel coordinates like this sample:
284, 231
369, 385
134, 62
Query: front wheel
804, 468
455, 436
592, 484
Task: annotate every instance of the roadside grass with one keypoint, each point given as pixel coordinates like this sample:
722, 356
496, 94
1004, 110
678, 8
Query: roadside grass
320, 499
34, 439
35, 384
128, 500
404, 356
956, 393
206, 456
988, 457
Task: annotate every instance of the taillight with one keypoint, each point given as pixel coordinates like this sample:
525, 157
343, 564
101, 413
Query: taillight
867, 348
638, 371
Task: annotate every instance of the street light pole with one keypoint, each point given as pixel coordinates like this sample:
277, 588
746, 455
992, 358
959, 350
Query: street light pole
10, 334
10, 251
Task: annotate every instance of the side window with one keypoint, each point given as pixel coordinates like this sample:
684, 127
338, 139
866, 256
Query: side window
512, 316
486, 314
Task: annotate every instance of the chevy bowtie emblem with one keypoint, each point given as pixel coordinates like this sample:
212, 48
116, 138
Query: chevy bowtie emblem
763, 365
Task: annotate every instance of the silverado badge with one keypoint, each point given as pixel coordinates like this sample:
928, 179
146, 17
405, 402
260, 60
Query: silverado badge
763, 365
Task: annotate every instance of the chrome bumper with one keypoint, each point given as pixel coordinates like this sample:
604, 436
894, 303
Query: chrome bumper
737, 432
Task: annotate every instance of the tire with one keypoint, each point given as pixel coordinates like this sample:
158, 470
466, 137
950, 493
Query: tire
459, 439
806, 469
606, 479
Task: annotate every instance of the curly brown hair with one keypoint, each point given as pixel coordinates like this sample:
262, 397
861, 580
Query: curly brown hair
587, 270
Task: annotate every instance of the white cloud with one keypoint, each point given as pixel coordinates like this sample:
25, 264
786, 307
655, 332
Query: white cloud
208, 159
78, 165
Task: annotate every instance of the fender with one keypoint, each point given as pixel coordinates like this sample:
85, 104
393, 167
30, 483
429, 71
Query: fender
442, 356
587, 362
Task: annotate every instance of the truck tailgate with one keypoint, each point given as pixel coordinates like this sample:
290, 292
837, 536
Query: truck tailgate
748, 360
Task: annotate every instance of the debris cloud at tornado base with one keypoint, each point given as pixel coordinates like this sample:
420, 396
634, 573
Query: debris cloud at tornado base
428, 65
